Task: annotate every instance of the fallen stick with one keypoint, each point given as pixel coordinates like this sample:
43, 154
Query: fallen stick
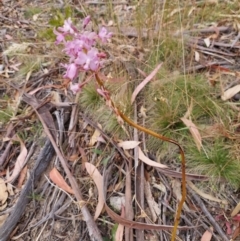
41, 164
209, 216
93, 230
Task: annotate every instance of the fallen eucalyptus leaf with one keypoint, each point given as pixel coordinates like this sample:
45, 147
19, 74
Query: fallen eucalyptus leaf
228, 94
236, 210
207, 236
126, 145
194, 131
57, 178
144, 82
20, 162
98, 180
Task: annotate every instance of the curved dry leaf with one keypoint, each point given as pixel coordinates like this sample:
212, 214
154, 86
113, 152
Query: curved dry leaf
95, 136
235, 210
3, 218
19, 163
138, 225
98, 180
55, 97
120, 228
207, 236
176, 187
191, 11
3, 193
44, 113
165, 169
43, 88
205, 195
228, 94
194, 131
161, 187
148, 161
57, 178
119, 233
10, 189
22, 176
143, 111
207, 41
144, 82
126, 145
3, 207
142, 72
229, 228
236, 233
133, 224
84, 158
72, 158
197, 56
189, 110
152, 205
174, 11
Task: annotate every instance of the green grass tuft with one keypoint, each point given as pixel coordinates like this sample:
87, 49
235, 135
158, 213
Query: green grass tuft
94, 106
6, 115
30, 11
217, 162
57, 20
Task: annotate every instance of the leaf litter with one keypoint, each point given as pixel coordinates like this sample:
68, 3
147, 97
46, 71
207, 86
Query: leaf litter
58, 179
217, 51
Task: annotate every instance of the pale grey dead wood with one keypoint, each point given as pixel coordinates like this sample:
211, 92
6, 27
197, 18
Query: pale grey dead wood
53, 212
213, 222
41, 164
211, 50
128, 200
139, 178
185, 218
236, 40
93, 230
5, 153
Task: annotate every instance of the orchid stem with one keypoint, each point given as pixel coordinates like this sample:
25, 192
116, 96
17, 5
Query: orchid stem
163, 138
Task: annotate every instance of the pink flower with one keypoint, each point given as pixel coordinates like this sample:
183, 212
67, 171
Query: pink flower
73, 47
89, 38
72, 71
80, 49
104, 35
68, 27
60, 37
89, 60
104, 93
102, 55
75, 88
86, 21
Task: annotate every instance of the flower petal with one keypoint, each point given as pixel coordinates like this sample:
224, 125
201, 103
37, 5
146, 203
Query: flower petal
86, 21
72, 71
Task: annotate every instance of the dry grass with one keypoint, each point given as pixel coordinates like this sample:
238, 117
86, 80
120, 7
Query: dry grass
155, 36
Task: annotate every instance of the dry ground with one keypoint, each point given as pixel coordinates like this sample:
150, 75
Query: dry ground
32, 207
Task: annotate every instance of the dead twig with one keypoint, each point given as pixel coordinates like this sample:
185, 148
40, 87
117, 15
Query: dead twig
5, 153
41, 164
58, 205
9, 134
209, 216
93, 230
139, 179
184, 217
128, 202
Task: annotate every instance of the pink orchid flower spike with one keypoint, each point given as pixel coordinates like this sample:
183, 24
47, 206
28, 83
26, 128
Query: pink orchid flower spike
80, 47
